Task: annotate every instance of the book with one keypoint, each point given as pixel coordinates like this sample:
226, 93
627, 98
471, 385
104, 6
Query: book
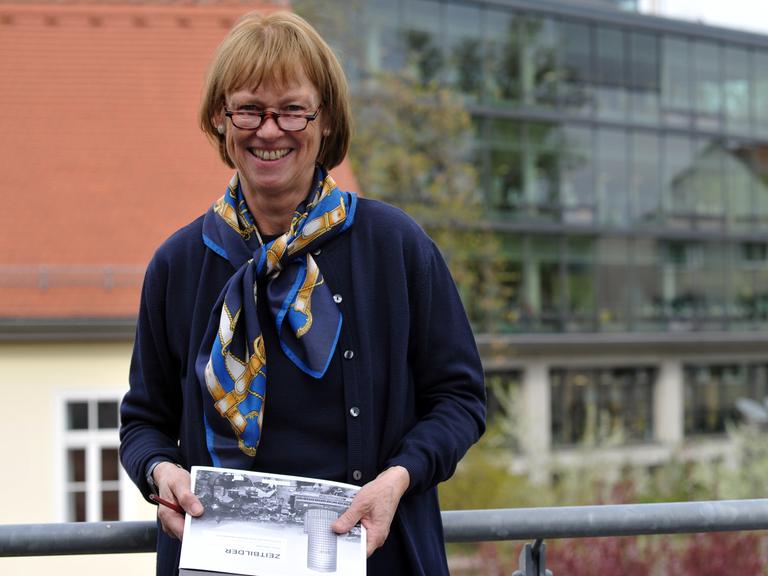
257, 524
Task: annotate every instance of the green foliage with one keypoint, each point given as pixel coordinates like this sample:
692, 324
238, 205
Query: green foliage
483, 480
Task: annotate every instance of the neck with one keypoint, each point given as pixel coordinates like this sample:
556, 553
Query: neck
273, 213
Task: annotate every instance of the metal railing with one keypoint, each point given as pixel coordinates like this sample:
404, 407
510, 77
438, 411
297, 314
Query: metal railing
535, 524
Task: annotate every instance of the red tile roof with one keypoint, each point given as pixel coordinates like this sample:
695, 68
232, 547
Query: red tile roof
100, 154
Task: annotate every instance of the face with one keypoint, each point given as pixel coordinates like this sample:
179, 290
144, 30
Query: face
274, 164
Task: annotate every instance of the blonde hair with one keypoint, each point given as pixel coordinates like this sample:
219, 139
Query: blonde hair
272, 48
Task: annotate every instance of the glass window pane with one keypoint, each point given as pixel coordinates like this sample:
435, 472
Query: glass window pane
504, 46
539, 61
107, 415
421, 39
675, 81
749, 284
760, 104
677, 158
706, 58
543, 284
76, 465
645, 181
76, 507
576, 87
610, 81
648, 292
700, 189
613, 283
577, 175
759, 188
77, 416
464, 41
506, 189
110, 505
694, 284
384, 48
603, 405
737, 90
612, 177
580, 278
517, 314
741, 184
644, 70
110, 465
541, 172
710, 397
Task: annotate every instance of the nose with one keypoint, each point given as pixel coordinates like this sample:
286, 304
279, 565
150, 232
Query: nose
268, 127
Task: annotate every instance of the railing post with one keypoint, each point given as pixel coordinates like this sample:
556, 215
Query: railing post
533, 560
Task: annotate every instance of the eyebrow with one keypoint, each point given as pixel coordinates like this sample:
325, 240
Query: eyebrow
282, 101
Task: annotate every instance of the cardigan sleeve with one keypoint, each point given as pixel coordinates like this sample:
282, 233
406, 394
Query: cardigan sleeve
447, 376
151, 409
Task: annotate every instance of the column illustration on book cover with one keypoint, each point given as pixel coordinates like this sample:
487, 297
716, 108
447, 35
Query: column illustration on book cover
258, 524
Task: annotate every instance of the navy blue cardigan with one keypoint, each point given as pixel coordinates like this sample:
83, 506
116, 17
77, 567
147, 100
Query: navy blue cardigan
411, 371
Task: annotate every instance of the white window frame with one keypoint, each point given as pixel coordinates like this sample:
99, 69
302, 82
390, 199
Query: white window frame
92, 441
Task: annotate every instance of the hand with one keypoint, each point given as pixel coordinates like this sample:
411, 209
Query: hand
375, 505
173, 484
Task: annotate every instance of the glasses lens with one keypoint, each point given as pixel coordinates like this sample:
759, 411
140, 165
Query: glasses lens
246, 120
292, 122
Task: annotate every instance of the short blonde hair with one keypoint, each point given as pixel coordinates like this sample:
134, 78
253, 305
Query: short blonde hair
270, 48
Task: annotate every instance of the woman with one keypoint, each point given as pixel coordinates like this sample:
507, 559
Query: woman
340, 308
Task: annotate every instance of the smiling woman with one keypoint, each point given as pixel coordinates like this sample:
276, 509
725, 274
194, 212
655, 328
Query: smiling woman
341, 308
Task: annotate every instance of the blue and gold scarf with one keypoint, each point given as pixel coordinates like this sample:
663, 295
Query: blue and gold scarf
232, 365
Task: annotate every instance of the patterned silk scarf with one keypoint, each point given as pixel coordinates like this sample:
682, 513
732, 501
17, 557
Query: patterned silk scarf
232, 365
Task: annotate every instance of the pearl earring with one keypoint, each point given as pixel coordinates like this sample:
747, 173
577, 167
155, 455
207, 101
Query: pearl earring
220, 129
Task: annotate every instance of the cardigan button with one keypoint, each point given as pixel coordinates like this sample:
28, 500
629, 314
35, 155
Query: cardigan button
354, 411
317, 252
348, 354
356, 474
337, 298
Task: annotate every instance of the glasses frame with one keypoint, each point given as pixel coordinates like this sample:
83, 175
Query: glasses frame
274, 115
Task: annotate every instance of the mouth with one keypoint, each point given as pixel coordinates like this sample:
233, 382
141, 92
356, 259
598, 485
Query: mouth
270, 155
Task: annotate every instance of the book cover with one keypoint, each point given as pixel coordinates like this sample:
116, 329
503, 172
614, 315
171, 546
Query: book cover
258, 524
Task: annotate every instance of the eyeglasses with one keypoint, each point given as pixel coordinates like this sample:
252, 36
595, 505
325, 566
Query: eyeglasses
286, 121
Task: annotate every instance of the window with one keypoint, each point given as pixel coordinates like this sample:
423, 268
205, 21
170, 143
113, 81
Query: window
577, 175
90, 467
463, 35
612, 176
644, 77
576, 82
711, 392
599, 406
610, 74
675, 81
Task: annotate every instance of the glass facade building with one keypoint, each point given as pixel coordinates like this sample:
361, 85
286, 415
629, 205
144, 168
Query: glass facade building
629, 163
624, 158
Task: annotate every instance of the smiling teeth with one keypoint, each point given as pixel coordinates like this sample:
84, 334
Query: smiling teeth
271, 154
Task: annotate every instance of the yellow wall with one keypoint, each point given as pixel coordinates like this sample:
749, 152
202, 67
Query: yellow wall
32, 378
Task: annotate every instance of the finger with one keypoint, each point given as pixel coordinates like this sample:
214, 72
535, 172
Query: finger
347, 520
172, 523
191, 503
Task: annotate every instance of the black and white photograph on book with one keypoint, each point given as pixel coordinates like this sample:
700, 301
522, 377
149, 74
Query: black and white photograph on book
258, 524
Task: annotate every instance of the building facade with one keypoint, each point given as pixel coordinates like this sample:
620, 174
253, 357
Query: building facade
624, 159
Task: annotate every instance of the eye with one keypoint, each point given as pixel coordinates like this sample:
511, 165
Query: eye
294, 109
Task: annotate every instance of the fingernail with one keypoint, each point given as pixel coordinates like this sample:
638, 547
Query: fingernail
197, 509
